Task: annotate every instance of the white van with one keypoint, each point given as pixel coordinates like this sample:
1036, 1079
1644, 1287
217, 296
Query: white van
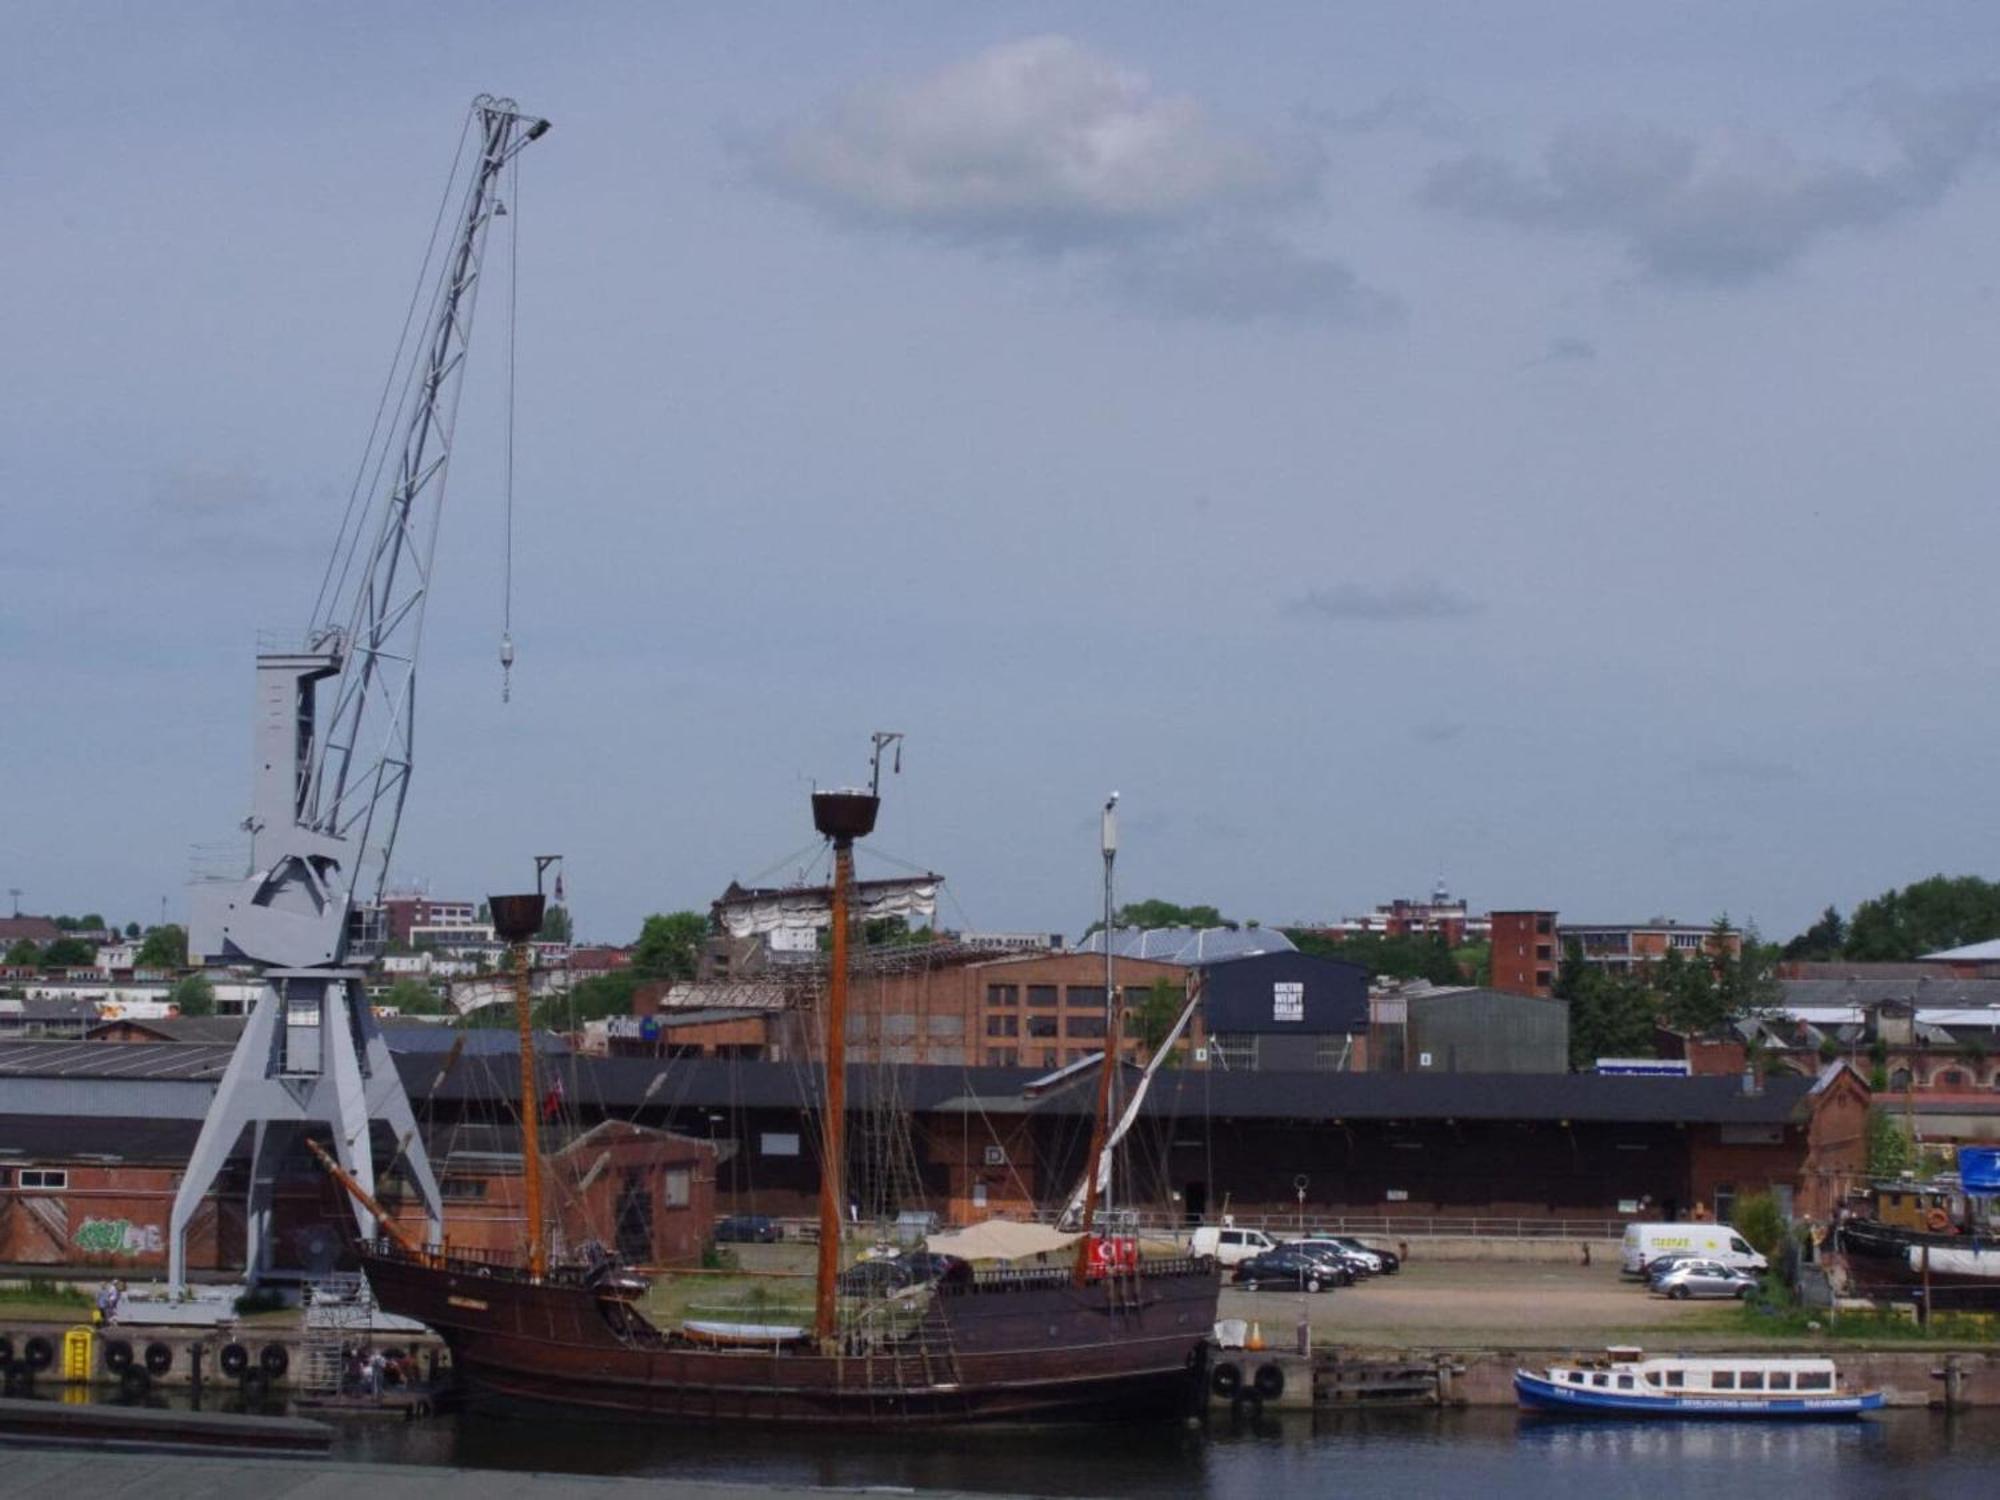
1228, 1246
1645, 1243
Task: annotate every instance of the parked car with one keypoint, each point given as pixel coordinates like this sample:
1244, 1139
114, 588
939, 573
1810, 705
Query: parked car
1391, 1261
748, 1229
1227, 1245
1703, 1278
1358, 1263
1661, 1264
1287, 1266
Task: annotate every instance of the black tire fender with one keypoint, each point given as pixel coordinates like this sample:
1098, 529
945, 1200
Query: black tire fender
159, 1358
1269, 1383
1226, 1380
38, 1353
234, 1360
275, 1360
117, 1356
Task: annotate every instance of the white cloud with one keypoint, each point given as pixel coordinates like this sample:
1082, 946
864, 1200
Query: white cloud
1039, 144
1730, 206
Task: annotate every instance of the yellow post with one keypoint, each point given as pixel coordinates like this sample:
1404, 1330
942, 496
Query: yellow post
79, 1344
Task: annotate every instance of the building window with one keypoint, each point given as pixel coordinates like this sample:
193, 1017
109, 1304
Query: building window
1042, 996
1084, 997
462, 1189
1333, 1052
1725, 1202
1041, 1025
1899, 1080
1003, 994
1001, 1025
779, 1143
55, 1179
1003, 1057
1950, 1078
1050, 1057
1088, 1027
677, 1187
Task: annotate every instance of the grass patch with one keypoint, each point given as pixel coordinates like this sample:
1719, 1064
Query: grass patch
42, 1291
1774, 1312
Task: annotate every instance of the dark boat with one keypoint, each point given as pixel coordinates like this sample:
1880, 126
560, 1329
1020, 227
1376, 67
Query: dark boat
1943, 1235
1113, 1335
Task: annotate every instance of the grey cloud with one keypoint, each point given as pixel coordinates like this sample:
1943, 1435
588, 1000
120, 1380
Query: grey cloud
1747, 768
1564, 350
1411, 600
1409, 110
1733, 206
1038, 144
1244, 278
1438, 732
208, 492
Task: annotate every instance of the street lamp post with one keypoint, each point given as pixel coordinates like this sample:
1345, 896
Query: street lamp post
1305, 1311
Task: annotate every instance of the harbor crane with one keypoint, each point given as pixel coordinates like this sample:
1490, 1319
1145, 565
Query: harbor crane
334, 744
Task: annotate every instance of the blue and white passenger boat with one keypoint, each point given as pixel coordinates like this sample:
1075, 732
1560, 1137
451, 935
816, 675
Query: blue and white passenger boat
1741, 1387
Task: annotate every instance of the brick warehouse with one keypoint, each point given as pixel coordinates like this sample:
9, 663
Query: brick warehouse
981, 1141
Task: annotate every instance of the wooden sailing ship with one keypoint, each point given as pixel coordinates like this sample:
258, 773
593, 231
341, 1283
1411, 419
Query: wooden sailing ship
1112, 1335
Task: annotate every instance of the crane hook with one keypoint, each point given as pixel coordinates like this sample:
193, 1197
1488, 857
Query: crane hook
506, 667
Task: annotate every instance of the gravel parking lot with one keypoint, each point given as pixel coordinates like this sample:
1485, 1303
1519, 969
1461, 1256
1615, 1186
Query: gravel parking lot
1483, 1303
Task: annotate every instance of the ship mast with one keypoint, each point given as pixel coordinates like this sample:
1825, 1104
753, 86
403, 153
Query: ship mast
1105, 1075
516, 919
842, 817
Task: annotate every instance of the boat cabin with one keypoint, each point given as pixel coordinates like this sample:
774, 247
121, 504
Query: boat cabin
1728, 1375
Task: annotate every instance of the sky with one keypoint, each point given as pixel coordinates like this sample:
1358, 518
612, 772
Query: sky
1543, 448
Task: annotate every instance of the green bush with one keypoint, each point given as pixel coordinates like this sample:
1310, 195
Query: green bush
1757, 1219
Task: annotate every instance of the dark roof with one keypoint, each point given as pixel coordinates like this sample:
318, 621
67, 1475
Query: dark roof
1929, 989
1473, 1096
50, 1008
196, 1061
38, 930
83, 1138
177, 1028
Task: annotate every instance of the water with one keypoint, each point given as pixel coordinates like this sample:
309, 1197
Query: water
1489, 1454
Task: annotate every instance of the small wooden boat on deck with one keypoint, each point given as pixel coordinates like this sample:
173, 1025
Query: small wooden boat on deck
1624, 1383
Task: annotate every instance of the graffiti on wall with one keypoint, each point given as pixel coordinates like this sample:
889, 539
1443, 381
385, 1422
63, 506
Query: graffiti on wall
119, 1237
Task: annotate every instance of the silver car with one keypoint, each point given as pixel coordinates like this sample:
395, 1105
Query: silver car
1703, 1278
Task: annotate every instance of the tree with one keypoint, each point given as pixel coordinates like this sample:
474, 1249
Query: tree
23, 954
1154, 1016
1408, 956
412, 997
131, 929
165, 948
1757, 1219
1822, 941
91, 921
555, 926
68, 953
1941, 912
194, 996
1610, 1015
669, 945
1890, 1149
1155, 913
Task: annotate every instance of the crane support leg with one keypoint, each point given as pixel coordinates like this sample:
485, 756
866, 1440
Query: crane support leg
310, 1057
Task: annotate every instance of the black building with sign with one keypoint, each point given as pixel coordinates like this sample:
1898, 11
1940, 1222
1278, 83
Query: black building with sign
1285, 1012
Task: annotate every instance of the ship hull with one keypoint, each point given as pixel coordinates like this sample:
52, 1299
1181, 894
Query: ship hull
1027, 1346
1887, 1254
